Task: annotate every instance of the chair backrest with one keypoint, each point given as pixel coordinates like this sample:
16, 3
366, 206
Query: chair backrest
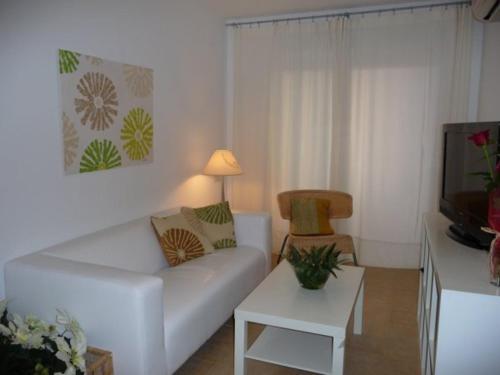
340, 203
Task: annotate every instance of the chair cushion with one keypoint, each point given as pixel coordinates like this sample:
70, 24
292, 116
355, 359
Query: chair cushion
310, 216
201, 295
340, 203
216, 222
179, 241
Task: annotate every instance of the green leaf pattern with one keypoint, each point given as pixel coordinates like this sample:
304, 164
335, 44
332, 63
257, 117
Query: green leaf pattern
215, 214
218, 225
224, 243
137, 134
100, 155
68, 61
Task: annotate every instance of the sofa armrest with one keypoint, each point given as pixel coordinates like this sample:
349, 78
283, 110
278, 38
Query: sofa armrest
254, 229
121, 311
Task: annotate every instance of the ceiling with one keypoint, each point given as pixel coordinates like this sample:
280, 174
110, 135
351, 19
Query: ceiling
254, 8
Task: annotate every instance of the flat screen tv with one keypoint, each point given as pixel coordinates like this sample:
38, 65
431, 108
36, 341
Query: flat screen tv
463, 197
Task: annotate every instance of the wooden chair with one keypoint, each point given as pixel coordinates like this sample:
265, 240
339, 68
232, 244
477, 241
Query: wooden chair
340, 208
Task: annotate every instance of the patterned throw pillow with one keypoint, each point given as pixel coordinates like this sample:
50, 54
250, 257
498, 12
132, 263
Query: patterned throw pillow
178, 240
216, 223
310, 216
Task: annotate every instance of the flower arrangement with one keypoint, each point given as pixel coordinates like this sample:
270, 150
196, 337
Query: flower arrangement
32, 346
492, 180
313, 267
492, 176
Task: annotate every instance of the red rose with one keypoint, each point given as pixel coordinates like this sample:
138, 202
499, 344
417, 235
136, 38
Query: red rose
480, 138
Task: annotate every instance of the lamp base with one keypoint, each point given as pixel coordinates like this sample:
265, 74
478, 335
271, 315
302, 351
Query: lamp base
222, 195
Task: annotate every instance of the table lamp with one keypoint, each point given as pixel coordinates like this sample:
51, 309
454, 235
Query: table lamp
222, 163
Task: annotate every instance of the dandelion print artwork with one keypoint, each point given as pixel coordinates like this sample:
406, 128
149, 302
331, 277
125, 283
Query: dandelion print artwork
106, 113
139, 80
137, 134
99, 101
68, 61
100, 155
70, 141
94, 60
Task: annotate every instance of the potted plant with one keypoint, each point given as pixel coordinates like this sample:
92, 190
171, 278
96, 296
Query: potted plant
313, 267
491, 178
32, 346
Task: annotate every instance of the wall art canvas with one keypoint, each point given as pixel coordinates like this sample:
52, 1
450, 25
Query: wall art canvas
107, 113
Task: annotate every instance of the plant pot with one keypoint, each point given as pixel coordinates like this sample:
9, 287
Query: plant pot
311, 279
495, 261
494, 222
494, 209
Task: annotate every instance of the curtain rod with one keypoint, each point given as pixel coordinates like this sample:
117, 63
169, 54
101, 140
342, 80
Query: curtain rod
342, 13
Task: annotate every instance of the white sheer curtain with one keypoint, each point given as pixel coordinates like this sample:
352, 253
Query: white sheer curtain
353, 104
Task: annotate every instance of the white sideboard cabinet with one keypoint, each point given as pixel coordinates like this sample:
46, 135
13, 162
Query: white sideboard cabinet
458, 309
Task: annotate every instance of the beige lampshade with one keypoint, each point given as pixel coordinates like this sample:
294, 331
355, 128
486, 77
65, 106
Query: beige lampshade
222, 163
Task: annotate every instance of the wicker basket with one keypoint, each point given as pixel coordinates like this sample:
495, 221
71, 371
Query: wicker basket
99, 362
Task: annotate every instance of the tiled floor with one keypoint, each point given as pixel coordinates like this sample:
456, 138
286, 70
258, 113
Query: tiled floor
389, 344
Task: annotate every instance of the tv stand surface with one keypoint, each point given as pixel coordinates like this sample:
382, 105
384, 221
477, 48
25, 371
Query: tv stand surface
458, 307
456, 233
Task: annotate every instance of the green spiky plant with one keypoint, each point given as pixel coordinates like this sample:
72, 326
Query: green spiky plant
314, 266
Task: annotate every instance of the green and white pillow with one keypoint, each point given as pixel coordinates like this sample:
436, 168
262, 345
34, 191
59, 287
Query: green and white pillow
215, 222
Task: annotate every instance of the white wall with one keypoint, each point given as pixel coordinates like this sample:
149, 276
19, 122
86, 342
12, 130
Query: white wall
489, 96
182, 40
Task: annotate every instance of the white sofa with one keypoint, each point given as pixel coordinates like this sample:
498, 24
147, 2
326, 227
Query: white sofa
117, 284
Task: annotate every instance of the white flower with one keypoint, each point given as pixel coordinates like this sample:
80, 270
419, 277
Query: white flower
72, 355
79, 347
28, 339
78, 341
35, 340
35, 324
18, 321
62, 346
21, 337
64, 352
63, 318
5, 331
34, 333
52, 332
28, 333
12, 327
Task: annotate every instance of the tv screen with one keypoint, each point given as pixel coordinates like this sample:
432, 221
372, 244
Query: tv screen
463, 196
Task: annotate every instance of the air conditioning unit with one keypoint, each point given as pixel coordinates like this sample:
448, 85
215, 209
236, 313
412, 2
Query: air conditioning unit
486, 10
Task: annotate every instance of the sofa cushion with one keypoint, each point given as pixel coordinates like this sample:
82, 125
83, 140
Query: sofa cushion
179, 241
216, 222
200, 296
130, 246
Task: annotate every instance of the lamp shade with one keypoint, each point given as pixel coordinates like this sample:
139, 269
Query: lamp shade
222, 163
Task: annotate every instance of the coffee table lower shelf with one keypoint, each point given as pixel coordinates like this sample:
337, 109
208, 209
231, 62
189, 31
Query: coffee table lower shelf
300, 350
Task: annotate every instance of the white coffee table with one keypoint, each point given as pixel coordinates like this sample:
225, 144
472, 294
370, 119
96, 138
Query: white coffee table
306, 329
